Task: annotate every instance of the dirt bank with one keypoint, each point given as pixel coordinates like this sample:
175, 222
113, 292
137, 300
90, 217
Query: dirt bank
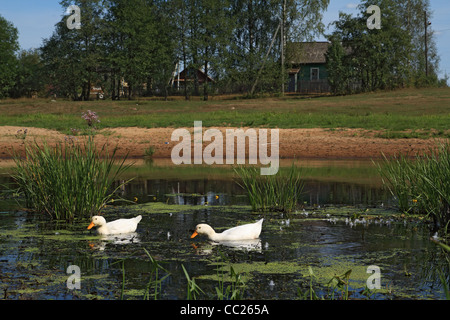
298, 143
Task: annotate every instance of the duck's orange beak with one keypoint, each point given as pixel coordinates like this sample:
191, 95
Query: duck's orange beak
194, 234
91, 225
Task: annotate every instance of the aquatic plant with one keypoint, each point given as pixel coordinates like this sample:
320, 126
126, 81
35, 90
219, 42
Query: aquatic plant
396, 179
155, 281
68, 180
340, 283
310, 293
193, 290
338, 288
279, 192
149, 152
443, 275
233, 291
422, 183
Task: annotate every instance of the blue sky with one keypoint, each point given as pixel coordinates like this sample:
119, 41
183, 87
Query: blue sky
35, 20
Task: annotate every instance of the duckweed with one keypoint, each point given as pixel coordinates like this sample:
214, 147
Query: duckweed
36, 253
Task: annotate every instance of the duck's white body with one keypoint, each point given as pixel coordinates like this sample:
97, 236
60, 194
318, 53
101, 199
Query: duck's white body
244, 232
115, 227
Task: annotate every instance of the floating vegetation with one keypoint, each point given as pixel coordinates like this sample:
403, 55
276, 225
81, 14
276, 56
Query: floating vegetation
37, 252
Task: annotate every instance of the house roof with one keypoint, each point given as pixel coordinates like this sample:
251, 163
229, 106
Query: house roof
200, 74
306, 52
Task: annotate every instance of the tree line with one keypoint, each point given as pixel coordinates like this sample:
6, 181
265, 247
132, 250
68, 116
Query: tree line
238, 43
401, 54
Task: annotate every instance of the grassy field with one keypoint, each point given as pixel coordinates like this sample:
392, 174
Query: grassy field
404, 113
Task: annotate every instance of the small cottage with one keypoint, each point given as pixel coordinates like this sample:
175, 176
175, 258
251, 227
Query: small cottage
308, 73
188, 76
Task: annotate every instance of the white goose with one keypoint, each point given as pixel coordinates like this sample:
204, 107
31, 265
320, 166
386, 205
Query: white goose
114, 227
244, 232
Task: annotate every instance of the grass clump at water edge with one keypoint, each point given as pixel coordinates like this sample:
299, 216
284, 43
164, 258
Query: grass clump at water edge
279, 192
68, 180
422, 184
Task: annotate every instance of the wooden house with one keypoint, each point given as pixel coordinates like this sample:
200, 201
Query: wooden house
188, 76
308, 73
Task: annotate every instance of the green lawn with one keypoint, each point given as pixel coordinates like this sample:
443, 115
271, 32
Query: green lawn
417, 111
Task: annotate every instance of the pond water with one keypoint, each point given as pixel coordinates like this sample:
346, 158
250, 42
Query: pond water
346, 224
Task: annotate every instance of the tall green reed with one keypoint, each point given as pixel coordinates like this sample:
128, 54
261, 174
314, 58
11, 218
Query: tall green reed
421, 183
68, 180
233, 291
155, 280
337, 288
279, 192
193, 290
396, 177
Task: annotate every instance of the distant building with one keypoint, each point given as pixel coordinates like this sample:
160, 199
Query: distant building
188, 76
308, 73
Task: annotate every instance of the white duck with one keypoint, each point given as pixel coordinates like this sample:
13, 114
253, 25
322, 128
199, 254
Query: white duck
114, 227
244, 232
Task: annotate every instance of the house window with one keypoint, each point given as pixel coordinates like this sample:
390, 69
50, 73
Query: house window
314, 73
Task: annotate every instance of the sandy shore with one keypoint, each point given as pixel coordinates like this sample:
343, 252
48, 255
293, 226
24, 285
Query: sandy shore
294, 143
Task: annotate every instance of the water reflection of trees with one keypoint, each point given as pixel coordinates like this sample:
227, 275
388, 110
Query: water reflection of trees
224, 192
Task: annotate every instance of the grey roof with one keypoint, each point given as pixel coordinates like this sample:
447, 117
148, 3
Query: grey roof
306, 52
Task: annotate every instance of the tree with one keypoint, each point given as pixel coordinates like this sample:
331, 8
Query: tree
164, 52
134, 28
88, 42
179, 14
8, 61
413, 15
141, 41
119, 41
29, 78
216, 25
338, 73
72, 57
61, 63
376, 59
255, 28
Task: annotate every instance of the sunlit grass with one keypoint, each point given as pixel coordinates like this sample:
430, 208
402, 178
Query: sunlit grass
425, 112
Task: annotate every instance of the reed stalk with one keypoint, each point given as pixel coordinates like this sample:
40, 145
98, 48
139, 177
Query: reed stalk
193, 290
155, 280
